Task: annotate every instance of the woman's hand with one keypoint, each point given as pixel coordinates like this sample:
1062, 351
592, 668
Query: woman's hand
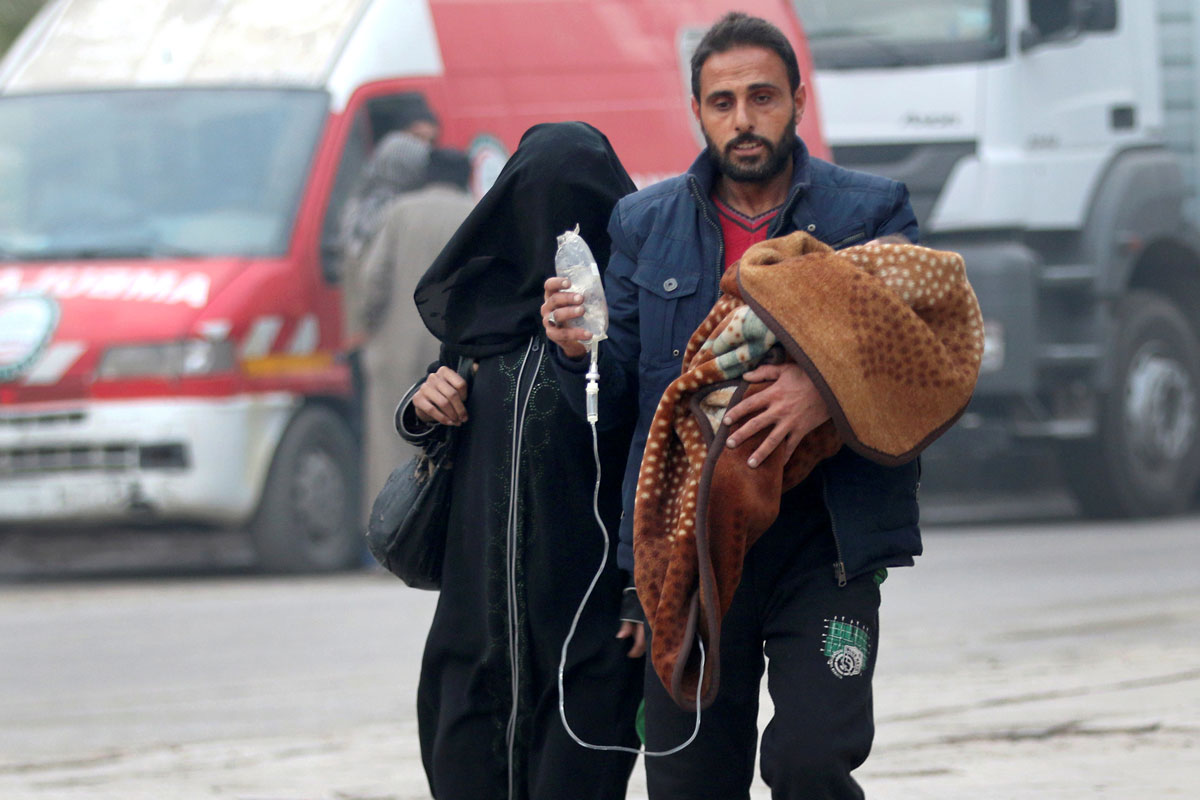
442, 398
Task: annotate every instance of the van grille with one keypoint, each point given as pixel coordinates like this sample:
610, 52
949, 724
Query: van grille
17, 462
48, 419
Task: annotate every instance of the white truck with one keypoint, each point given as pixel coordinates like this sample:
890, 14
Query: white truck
1054, 144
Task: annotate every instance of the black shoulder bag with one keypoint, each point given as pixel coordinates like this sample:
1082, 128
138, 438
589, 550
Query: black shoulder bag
407, 529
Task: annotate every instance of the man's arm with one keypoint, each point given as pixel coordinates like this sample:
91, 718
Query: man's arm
900, 219
618, 363
618, 353
792, 407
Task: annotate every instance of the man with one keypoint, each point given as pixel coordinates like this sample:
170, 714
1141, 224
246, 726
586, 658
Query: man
414, 228
397, 165
412, 114
812, 579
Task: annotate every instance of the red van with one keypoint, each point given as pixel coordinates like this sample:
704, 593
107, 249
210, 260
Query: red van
170, 331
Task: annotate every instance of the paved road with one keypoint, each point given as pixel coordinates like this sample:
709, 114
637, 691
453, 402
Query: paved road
1029, 661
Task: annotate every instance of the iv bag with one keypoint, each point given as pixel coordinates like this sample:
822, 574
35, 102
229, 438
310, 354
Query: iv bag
575, 262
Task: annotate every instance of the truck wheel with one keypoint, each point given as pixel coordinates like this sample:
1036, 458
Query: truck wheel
1145, 461
307, 520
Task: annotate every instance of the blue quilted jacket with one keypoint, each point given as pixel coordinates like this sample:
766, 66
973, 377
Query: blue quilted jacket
662, 280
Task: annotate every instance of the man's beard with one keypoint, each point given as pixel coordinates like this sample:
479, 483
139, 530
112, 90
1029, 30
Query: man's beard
778, 155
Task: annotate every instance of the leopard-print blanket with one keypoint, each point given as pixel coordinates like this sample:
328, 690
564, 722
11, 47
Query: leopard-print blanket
892, 337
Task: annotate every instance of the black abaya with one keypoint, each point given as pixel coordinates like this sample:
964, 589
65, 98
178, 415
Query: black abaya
546, 560
523, 542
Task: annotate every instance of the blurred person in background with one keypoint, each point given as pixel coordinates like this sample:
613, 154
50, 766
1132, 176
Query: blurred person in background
398, 164
523, 541
414, 116
397, 348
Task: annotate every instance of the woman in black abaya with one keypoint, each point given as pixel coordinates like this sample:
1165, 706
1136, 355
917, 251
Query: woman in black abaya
523, 542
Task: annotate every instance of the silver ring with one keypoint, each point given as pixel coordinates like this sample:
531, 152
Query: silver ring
550, 318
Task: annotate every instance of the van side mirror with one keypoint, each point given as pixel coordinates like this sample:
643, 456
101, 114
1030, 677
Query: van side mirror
1059, 21
331, 257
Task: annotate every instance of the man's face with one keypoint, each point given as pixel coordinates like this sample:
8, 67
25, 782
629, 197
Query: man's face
748, 113
424, 129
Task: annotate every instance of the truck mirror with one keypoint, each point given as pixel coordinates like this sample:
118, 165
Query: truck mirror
1030, 38
1060, 21
1097, 15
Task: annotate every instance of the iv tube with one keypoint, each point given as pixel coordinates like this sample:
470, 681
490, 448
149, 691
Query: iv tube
574, 261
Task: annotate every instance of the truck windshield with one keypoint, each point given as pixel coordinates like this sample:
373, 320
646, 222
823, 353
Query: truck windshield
154, 172
851, 34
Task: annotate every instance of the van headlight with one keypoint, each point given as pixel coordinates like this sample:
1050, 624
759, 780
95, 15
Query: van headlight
188, 358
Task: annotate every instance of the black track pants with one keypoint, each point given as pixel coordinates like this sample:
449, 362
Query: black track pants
820, 642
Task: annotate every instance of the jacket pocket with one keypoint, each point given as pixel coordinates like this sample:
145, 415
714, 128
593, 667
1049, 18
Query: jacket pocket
874, 511
668, 308
846, 237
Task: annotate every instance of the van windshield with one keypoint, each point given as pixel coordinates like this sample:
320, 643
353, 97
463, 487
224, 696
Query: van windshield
154, 172
849, 34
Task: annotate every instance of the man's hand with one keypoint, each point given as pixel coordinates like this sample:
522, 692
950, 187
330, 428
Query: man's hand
561, 305
790, 408
442, 398
638, 632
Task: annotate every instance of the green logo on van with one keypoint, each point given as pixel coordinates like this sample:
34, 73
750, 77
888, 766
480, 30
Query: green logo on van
27, 321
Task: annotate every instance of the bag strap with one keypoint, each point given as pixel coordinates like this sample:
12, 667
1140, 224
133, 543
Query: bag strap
450, 437
464, 368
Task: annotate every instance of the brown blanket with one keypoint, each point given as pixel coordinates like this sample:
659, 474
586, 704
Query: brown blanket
892, 337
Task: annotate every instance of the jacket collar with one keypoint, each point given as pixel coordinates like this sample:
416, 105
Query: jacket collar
703, 175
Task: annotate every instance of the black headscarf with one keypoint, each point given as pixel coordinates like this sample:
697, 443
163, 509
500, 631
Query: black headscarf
482, 294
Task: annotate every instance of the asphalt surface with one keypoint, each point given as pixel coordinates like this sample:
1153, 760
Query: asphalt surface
1042, 659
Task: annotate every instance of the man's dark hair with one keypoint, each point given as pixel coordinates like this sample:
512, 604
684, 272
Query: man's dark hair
410, 108
398, 112
449, 166
737, 29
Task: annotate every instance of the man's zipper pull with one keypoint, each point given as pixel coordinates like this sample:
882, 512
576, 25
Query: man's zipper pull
839, 572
